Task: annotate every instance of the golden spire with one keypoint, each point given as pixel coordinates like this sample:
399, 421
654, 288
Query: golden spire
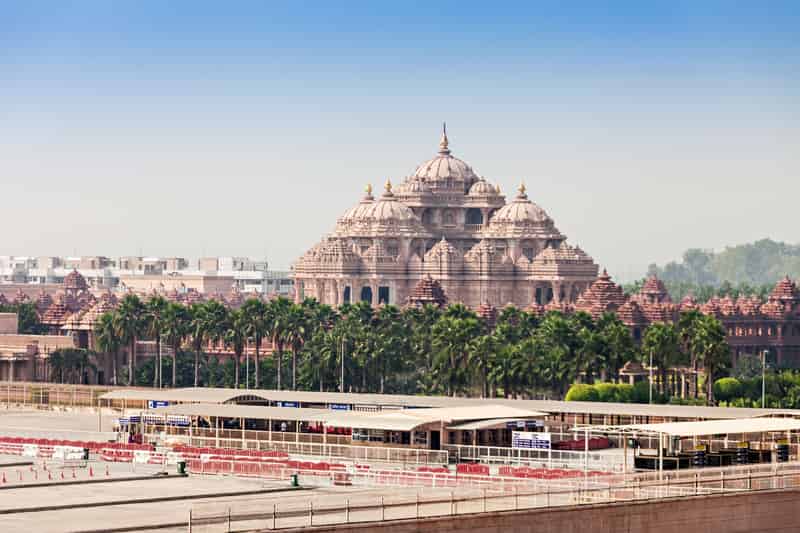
368, 189
522, 189
388, 186
444, 143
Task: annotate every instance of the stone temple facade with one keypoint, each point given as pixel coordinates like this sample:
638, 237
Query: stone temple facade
447, 223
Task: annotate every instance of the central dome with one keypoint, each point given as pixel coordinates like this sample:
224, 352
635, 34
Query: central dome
444, 169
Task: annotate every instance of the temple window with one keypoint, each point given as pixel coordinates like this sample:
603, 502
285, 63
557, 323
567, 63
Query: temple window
538, 296
474, 216
383, 295
528, 252
346, 297
549, 295
427, 217
366, 294
449, 219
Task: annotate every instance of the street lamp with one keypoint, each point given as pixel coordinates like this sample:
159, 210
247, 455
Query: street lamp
651, 375
763, 377
341, 383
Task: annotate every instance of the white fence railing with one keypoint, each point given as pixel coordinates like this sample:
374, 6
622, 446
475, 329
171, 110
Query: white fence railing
465, 500
340, 452
605, 461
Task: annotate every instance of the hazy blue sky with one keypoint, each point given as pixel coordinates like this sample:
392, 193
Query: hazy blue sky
246, 128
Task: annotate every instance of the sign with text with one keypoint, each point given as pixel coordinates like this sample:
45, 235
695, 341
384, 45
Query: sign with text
152, 404
339, 406
530, 440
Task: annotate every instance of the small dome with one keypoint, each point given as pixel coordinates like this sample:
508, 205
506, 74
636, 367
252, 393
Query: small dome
75, 281
482, 188
388, 209
357, 212
521, 211
386, 214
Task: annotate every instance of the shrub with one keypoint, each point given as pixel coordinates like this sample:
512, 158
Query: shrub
727, 388
641, 392
606, 392
581, 392
624, 393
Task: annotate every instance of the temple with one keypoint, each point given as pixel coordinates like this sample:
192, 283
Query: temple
447, 223
752, 326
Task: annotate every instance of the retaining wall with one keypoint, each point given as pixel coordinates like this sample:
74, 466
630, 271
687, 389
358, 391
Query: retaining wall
775, 511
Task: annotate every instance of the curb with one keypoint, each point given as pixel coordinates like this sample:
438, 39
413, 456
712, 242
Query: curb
88, 482
146, 500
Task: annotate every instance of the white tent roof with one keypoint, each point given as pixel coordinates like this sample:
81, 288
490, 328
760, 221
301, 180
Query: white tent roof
703, 428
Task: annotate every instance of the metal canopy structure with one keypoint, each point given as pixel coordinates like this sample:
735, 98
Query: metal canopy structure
700, 429
396, 401
255, 412
401, 420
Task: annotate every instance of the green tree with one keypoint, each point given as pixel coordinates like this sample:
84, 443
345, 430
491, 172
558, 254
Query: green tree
255, 312
176, 325
108, 341
277, 324
154, 325
661, 342
130, 325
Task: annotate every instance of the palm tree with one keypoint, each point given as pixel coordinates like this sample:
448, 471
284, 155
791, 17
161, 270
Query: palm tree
255, 312
452, 335
129, 322
277, 316
108, 341
663, 343
295, 334
687, 328
216, 323
197, 329
235, 337
154, 325
176, 326
712, 350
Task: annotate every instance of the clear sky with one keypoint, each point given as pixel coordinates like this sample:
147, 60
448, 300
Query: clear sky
245, 128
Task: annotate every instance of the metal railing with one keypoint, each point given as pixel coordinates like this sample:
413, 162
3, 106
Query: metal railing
410, 456
268, 514
606, 461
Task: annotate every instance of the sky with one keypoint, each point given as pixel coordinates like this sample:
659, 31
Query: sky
192, 128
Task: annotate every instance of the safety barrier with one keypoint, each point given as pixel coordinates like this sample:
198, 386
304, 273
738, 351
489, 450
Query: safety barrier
547, 458
353, 508
408, 456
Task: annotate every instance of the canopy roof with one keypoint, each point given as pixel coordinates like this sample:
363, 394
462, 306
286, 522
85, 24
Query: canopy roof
401, 420
244, 411
218, 395
702, 428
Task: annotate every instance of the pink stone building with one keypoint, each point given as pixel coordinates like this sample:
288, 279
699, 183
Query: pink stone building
445, 222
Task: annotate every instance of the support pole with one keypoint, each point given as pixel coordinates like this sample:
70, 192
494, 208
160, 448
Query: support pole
586, 451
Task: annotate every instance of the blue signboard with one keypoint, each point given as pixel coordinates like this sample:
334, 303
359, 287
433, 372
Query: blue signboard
152, 404
339, 406
288, 404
